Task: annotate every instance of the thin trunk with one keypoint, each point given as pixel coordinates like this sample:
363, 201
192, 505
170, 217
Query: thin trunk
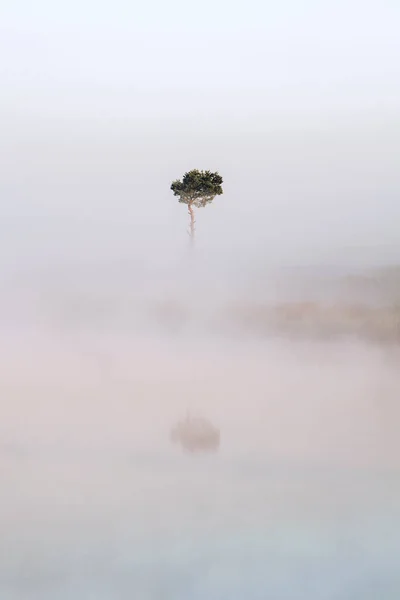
192, 222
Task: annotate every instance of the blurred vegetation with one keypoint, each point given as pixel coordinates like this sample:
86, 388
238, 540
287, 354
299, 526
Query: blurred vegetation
313, 320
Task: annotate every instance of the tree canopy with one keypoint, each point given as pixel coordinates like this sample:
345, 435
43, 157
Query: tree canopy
198, 188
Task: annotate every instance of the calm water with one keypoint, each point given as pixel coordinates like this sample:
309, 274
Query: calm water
301, 502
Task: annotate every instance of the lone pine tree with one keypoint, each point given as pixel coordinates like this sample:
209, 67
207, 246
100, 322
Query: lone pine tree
197, 189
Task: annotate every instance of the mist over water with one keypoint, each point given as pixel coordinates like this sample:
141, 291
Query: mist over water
280, 326
101, 357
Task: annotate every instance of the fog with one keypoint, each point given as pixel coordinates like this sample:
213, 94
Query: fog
105, 348
280, 325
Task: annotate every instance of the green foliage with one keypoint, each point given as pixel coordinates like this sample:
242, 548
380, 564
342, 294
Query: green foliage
198, 188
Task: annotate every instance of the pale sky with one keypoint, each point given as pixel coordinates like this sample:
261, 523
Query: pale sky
253, 56
296, 103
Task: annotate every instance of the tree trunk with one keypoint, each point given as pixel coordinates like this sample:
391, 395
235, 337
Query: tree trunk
192, 222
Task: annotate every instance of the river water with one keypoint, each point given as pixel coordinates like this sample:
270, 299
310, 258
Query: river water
302, 501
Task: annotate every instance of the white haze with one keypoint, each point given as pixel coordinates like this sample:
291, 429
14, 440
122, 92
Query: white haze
281, 325
109, 342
